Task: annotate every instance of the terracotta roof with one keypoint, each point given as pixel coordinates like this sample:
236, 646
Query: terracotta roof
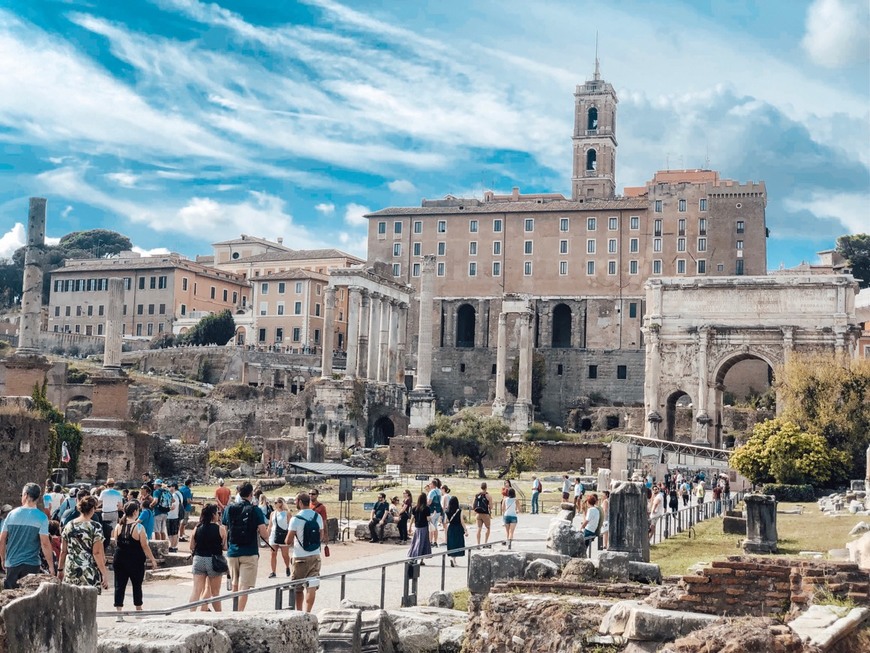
295, 255
292, 275
615, 204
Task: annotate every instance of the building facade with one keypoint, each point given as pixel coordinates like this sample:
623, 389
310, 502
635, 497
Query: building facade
582, 262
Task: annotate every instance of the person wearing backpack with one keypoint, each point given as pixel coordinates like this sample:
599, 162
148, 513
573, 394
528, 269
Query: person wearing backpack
481, 507
244, 522
306, 533
162, 506
536, 493
436, 510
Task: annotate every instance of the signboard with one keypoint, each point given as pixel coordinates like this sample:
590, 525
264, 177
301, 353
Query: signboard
345, 488
394, 470
421, 477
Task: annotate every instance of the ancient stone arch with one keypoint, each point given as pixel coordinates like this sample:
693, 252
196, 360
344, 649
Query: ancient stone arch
696, 329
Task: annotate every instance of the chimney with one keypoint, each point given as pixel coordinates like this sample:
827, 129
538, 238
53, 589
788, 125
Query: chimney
280, 240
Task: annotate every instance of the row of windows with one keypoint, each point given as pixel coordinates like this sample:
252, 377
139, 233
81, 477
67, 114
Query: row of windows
295, 335
279, 307
682, 205
146, 329
612, 268
282, 287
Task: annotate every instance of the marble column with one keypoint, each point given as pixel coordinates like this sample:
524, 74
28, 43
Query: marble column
401, 342
701, 417
364, 332
384, 341
498, 405
448, 311
353, 308
393, 342
651, 380
422, 399
31, 297
523, 411
374, 336
867, 472
328, 332
114, 320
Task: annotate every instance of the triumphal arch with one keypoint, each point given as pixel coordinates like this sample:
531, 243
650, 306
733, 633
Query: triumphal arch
697, 329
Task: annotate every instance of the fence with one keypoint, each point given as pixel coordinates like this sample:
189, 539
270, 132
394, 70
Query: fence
684, 519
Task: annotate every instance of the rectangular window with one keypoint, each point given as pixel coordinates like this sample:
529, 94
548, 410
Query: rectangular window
702, 266
397, 269
496, 268
472, 248
634, 222
153, 283
442, 226
658, 206
681, 227
496, 226
418, 227
317, 310
739, 244
563, 268
702, 244
632, 267
611, 267
397, 249
297, 308
397, 227
527, 268
100, 328
261, 335
298, 287
213, 292
563, 224
264, 308
657, 227
138, 329
529, 224
590, 224
415, 270
720, 267
472, 226
590, 246
527, 247
297, 334
634, 245
162, 282
316, 336
496, 248
226, 294
621, 372
67, 311
236, 297
382, 228
702, 204
632, 309
741, 226
612, 224
681, 266
559, 369
590, 267
183, 309
150, 330
264, 288
418, 249
57, 311
280, 307
140, 309
142, 283
563, 246
739, 267
657, 266
593, 372
702, 227
657, 244
279, 334
682, 206
183, 284
472, 269
150, 309
441, 269
611, 246
281, 288
442, 248
681, 244
90, 311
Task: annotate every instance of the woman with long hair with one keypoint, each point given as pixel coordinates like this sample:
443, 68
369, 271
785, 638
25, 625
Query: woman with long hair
456, 531
279, 524
131, 551
209, 541
404, 516
509, 512
420, 545
82, 556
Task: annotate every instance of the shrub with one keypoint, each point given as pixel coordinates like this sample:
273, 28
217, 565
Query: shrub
241, 451
789, 493
539, 433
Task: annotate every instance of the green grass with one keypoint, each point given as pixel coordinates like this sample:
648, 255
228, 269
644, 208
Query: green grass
810, 531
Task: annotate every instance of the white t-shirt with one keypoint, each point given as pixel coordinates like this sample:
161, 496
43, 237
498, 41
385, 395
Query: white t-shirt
280, 519
178, 498
510, 507
112, 500
594, 516
658, 505
578, 490
52, 501
298, 525
566, 486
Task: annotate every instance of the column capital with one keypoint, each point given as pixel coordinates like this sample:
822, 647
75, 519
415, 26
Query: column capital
502, 319
403, 306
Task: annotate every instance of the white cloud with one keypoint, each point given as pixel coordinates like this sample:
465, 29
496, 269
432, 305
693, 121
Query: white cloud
838, 32
326, 208
157, 251
849, 209
353, 244
402, 186
66, 211
125, 179
11, 240
353, 215
52, 241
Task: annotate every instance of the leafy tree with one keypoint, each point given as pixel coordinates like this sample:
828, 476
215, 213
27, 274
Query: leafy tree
521, 458
214, 329
830, 396
60, 431
780, 451
467, 435
539, 380
94, 243
856, 250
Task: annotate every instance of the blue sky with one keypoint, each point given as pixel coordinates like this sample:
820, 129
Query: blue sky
181, 123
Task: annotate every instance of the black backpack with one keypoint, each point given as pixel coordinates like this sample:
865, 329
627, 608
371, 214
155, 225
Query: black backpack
481, 504
310, 533
243, 524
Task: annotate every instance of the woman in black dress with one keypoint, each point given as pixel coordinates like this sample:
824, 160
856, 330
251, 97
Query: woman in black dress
456, 531
404, 516
420, 545
131, 551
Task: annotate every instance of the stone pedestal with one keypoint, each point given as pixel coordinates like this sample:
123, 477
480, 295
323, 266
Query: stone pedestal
521, 418
629, 523
760, 524
603, 479
23, 373
422, 402
110, 396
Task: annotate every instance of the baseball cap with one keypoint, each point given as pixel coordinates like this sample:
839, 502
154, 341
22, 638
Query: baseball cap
220, 481
158, 481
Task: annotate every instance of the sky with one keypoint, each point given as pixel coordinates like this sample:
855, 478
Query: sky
180, 123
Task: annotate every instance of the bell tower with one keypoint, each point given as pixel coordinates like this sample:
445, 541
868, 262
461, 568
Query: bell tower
594, 139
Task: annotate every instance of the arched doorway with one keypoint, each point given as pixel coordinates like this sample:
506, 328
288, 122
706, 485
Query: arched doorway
240, 335
381, 433
744, 379
678, 398
465, 323
561, 326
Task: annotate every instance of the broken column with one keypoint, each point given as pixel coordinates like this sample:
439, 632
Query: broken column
328, 332
384, 340
422, 398
114, 325
402, 343
761, 534
498, 405
522, 415
31, 298
374, 336
629, 522
353, 310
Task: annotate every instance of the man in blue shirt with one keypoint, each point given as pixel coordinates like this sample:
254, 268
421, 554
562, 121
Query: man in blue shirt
244, 522
24, 533
187, 507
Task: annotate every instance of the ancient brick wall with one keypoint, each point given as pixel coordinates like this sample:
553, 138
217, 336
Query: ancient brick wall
743, 585
24, 443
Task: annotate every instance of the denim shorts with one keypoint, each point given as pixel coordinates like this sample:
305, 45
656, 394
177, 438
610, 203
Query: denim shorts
510, 519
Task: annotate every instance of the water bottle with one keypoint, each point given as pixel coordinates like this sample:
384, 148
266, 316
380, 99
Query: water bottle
229, 583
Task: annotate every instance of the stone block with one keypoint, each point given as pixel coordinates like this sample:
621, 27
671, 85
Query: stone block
339, 631
441, 600
860, 527
486, 569
824, 625
734, 526
285, 631
564, 539
644, 572
615, 620
579, 571
418, 628
540, 570
859, 551
629, 522
149, 637
613, 565
656, 625
451, 640
377, 634
353, 604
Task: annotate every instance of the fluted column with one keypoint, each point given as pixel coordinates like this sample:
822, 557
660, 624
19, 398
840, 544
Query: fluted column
701, 416
651, 380
401, 344
374, 336
424, 340
498, 404
31, 297
328, 332
114, 320
392, 345
353, 308
524, 390
364, 326
384, 341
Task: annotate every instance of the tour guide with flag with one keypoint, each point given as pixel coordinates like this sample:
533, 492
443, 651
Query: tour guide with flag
64, 453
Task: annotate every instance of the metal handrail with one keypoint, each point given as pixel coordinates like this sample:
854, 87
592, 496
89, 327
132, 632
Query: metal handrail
684, 519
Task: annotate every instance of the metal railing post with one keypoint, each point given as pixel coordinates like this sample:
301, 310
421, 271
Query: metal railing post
279, 598
443, 571
343, 579
383, 585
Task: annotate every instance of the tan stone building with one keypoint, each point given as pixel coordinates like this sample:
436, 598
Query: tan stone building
582, 261
157, 291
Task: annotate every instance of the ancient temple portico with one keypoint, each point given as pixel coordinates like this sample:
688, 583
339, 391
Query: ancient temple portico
697, 329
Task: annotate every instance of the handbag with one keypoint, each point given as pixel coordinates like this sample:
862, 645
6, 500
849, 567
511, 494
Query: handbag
219, 563
280, 535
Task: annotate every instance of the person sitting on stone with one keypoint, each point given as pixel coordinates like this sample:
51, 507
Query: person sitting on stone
379, 518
